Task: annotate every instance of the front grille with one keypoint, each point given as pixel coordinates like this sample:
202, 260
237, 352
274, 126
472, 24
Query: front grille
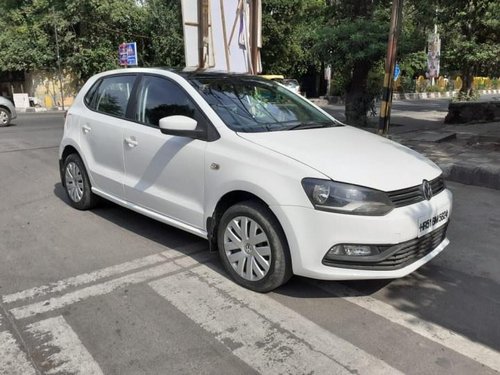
401, 254
414, 194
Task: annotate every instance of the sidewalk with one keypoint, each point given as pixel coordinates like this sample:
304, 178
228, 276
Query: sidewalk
469, 153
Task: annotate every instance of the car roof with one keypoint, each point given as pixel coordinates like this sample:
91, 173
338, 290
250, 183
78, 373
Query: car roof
188, 73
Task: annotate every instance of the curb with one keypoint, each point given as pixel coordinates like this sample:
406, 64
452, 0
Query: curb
470, 167
472, 175
434, 95
322, 101
47, 112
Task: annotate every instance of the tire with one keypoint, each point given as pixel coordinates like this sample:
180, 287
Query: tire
77, 183
262, 244
4, 117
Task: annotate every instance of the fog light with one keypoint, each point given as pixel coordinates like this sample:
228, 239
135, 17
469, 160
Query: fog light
351, 250
357, 250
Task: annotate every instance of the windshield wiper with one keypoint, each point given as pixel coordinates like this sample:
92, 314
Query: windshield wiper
312, 125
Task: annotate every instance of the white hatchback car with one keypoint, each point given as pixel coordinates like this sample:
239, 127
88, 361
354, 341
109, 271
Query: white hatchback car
274, 183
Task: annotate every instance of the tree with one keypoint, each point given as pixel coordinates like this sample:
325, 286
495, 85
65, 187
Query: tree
288, 33
89, 32
24, 42
353, 42
165, 45
470, 38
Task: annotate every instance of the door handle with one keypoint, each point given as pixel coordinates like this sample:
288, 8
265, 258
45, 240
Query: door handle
86, 129
131, 142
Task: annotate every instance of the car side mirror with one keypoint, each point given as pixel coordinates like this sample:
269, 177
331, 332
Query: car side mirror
181, 126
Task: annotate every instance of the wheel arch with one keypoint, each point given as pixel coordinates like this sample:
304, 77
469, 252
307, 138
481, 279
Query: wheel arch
6, 108
67, 150
227, 200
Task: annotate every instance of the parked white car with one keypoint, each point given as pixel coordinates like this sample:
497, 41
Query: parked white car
276, 185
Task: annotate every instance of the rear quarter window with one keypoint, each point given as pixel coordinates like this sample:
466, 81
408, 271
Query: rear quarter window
111, 95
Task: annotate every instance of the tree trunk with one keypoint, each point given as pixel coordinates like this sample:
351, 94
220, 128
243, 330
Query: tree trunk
468, 79
357, 99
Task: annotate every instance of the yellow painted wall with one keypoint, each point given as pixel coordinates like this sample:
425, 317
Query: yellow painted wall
45, 87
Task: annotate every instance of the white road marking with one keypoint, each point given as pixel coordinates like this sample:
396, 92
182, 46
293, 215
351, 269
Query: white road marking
90, 277
266, 335
61, 348
434, 332
92, 291
13, 361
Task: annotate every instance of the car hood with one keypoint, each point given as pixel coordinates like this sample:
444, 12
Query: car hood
350, 155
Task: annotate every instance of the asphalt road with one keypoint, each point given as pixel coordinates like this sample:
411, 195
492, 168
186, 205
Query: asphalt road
111, 292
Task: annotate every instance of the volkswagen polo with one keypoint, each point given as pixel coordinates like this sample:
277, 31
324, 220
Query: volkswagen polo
275, 184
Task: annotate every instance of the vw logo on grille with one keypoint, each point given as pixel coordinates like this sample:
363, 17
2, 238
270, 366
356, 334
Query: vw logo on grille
427, 189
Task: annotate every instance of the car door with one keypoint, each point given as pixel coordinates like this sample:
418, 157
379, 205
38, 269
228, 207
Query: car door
164, 173
101, 126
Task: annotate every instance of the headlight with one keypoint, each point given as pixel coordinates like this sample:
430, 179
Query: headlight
327, 195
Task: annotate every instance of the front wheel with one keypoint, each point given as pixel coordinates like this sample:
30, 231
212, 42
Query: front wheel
253, 248
77, 183
4, 117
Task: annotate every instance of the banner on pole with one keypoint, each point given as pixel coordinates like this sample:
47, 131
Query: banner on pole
433, 55
127, 53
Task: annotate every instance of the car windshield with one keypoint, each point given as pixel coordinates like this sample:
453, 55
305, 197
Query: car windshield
251, 104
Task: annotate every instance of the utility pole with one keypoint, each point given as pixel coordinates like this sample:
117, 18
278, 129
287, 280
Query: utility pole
58, 60
390, 62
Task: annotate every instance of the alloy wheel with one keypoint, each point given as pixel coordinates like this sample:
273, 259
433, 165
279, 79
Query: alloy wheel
4, 117
74, 182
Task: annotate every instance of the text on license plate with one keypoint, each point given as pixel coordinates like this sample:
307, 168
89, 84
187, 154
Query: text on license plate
426, 225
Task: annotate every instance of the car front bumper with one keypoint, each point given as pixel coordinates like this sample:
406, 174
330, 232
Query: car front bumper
311, 233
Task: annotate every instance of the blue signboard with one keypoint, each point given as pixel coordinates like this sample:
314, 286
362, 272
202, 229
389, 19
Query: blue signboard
128, 54
397, 72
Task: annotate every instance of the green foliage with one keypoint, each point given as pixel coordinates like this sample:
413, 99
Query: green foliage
461, 96
89, 32
299, 36
23, 42
338, 85
431, 88
165, 47
470, 37
360, 41
288, 35
413, 63
353, 42
375, 80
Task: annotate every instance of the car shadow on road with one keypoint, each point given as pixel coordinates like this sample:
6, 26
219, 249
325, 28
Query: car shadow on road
143, 226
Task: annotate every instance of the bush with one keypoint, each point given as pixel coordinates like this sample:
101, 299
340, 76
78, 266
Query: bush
337, 85
432, 89
461, 96
408, 84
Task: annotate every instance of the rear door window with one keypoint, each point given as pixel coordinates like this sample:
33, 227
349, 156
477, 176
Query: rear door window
113, 94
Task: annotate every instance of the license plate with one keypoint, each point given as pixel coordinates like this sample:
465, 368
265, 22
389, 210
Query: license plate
427, 224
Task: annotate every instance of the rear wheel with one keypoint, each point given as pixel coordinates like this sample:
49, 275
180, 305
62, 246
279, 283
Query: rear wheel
77, 183
253, 248
4, 117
